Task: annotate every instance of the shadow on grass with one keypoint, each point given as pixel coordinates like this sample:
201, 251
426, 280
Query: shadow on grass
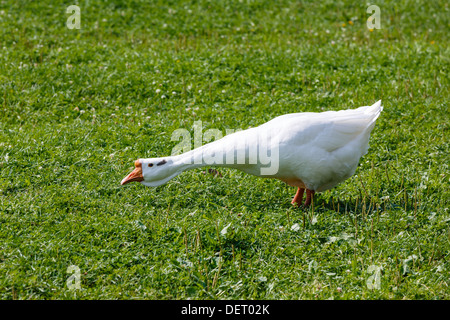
370, 205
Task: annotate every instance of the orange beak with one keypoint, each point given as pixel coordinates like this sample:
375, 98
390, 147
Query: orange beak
135, 175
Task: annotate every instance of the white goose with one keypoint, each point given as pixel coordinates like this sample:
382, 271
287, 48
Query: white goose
312, 151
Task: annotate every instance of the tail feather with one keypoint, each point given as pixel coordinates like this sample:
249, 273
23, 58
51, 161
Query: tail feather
374, 110
349, 125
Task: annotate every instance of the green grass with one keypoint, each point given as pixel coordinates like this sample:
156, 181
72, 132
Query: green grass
77, 107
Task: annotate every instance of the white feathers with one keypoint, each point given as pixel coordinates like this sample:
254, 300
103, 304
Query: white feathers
316, 151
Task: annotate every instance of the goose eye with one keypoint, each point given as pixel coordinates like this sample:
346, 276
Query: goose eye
150, 164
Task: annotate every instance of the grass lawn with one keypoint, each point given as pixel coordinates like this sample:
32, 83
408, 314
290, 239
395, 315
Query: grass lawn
78, 106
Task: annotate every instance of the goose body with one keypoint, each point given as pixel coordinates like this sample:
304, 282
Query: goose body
310, 151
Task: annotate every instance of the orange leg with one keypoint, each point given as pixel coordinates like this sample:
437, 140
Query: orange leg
309, 197
298, 199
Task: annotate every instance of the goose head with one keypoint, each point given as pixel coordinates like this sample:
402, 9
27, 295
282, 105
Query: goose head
152, 172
